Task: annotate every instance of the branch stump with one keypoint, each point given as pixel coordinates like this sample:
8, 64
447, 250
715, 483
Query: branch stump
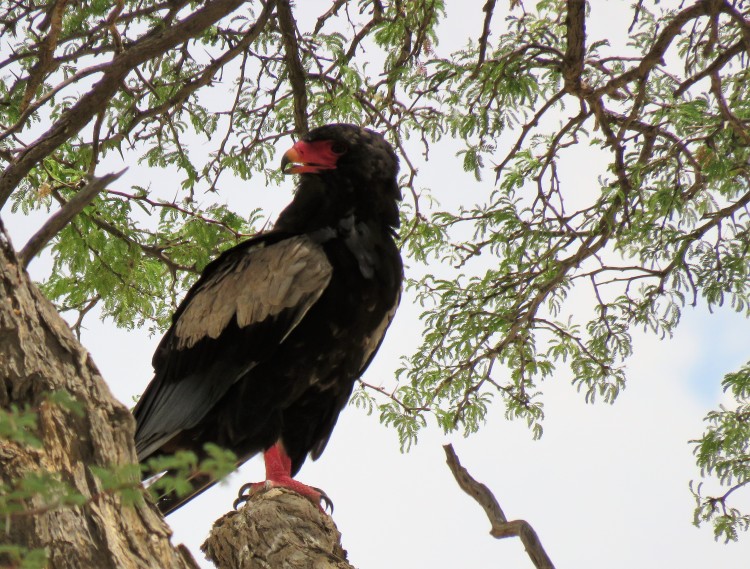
276, 528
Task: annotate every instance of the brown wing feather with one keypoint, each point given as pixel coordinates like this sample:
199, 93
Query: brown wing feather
284, 279
288, 274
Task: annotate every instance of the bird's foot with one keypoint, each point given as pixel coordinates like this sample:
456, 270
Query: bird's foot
315, 495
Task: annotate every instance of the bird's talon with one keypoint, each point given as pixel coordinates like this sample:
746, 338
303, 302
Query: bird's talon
249, 490
326, 500
239, 501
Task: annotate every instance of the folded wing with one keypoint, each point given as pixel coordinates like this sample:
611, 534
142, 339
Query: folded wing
244, 306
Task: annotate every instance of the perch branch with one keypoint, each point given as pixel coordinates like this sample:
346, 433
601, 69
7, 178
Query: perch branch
276, 528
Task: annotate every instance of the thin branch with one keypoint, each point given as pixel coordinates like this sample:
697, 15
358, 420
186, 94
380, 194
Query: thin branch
481, 494
501, 527
659, 47
62, 217
89, 105
206, 75
527, 128
331, 12
636, 14
377, 18
78, 324
738, 126
739, 19
721, 60
32, 107
392, 395
45, 54
488, 10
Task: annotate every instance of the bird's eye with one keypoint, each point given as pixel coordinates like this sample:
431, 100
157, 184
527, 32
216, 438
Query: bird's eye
339, 148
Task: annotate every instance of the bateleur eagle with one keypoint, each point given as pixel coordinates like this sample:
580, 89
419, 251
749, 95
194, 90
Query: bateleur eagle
264, 350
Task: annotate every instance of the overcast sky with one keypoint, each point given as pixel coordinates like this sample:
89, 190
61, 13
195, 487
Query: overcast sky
606, 486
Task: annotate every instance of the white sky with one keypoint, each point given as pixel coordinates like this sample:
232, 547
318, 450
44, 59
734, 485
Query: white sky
606, 486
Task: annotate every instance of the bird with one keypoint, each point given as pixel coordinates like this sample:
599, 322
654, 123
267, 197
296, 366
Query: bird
265, 348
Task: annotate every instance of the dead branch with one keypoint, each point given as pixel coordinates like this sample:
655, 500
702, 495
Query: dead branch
501, 527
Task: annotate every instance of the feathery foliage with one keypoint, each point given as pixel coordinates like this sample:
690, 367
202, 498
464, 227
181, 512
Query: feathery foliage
659, 223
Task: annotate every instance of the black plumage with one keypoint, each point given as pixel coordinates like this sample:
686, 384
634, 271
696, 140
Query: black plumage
266, 346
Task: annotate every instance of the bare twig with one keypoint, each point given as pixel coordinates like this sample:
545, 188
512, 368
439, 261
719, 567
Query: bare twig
501, 527
62, 217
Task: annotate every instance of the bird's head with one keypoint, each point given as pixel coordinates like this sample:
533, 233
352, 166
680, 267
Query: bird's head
352, 151
342, 167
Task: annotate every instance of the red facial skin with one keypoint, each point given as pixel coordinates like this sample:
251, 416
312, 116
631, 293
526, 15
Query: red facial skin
311, 157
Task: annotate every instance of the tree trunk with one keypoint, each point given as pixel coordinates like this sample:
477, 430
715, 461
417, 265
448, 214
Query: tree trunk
278, 529
39, 355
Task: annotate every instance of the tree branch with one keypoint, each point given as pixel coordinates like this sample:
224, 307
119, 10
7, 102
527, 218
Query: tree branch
205, 77
40, 355
501, 527
46, 53
293, 65
488, 10
659, 47
572, 69
331, 12
74, 119
721, 60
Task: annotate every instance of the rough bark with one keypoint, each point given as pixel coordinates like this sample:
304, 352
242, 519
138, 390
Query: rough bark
38, 355
278, 529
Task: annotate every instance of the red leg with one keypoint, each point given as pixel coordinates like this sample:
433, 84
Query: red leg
279, 474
